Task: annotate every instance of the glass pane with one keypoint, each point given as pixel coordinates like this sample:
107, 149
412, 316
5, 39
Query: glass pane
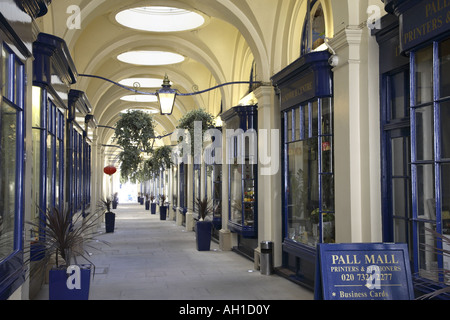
236, 193
217, 195
49, 172
318, 27
328, 192
327, 154
428, 264
444, 70
6, 81
303, 200
18, 87
305, 129
424, 75
400, 234
35, 175
398, 157
445, 197
315, 117
175, 186
445, 129
289, 125
397, 96
399, 199
425, 192
297, 124
57, 176
424, 133
327, 120
8, 140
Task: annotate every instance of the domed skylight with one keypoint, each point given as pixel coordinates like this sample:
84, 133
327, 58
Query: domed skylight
150, 58
142, 82
139, 98
160, 19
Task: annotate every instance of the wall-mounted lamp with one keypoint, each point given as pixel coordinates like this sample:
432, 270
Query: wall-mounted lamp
166, 95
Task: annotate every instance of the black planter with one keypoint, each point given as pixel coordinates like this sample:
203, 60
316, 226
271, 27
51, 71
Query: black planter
147, 205
162, 212
203, 235
110, 221
153, 208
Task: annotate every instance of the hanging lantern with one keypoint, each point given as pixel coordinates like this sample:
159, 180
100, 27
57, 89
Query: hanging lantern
110, 170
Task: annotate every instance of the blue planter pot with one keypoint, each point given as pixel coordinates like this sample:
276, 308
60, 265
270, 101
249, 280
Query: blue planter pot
110, 221
203, 235
153, 208
162, 212
60, 289
147, 205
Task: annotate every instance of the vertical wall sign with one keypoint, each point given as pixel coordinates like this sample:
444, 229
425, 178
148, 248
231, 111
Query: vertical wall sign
363, 272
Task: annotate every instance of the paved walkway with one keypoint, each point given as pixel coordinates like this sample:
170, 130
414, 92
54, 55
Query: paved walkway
149, 259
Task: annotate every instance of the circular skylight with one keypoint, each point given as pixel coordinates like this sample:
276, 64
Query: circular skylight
150, 58
140, 98
146, 110
142, 82
159, 19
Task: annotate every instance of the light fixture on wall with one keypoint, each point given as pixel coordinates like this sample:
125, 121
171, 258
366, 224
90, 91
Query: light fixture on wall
166, 95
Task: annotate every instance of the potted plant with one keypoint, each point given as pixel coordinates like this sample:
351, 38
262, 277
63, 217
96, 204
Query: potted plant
104, 206
187, 122
162, 207
152, 204
63, 239
135, 133
147, 202
115, 200
203, 227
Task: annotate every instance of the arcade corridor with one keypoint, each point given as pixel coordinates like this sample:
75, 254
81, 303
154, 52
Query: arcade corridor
150, 259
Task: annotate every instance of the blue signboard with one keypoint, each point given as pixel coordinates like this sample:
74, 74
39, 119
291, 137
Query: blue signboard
423, 21
363, 272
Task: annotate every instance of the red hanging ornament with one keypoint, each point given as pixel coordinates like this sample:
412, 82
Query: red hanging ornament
110, 170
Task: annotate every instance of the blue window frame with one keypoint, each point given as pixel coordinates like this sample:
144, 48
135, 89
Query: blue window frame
396, 156
430, 156
309, 173
11, 171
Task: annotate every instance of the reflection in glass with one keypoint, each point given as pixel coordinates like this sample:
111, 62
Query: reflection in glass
397, 96
8, 127
424, 133
424, 75
444, 68
303, 198
425, 192
445, 130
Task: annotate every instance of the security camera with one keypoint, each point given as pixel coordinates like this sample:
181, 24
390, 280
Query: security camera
333, 61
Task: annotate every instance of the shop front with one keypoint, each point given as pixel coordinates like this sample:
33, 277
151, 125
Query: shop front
415, 108
306, 96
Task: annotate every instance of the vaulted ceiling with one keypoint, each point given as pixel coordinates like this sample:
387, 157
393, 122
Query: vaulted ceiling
236, 35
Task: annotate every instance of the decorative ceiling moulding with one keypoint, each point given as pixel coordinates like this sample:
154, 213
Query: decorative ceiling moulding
34, 8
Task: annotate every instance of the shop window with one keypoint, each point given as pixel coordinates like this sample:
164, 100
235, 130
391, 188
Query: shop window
309, 174
11, 169
430, 157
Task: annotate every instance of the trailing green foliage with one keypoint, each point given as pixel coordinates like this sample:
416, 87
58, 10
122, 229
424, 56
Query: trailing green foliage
187, 122
135, 129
